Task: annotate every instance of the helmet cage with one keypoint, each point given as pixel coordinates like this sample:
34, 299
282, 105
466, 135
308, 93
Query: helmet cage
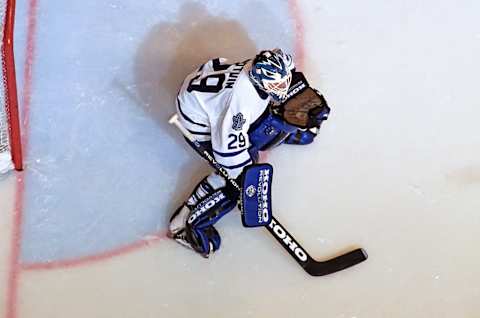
271, 73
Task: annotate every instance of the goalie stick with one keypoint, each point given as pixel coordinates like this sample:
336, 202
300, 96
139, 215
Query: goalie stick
286, 240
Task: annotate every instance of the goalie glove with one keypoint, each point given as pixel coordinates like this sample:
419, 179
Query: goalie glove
304, 107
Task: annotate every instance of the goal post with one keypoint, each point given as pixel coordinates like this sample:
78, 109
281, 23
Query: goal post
10, 139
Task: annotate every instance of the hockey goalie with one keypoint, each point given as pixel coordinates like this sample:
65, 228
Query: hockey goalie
235, 111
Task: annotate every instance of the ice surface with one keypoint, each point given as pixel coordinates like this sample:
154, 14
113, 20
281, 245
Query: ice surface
395, 170
102, 158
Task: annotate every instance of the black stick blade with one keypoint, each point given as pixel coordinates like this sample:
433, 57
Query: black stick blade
336, 264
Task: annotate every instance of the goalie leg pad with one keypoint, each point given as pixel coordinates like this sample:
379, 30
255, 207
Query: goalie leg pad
206, 240
192, 224
202, 218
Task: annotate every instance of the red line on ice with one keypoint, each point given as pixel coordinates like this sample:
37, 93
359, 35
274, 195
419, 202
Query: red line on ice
299, 33
97, 257
14, 261
298, 47
299, 59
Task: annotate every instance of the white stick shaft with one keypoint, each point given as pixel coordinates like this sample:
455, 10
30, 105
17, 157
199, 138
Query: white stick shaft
174, 120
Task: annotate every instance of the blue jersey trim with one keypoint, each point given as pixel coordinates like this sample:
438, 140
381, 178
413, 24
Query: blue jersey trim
239, 165
199, 133
188, 118
229, 154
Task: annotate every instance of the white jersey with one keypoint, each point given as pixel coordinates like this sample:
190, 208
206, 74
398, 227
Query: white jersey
218, 103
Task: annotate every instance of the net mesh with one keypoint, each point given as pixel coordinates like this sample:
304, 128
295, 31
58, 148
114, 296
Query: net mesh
5, 154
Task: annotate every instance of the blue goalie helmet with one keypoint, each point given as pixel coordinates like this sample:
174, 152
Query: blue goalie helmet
272, 72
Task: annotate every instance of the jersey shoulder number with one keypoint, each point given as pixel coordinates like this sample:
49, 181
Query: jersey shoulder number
222, 76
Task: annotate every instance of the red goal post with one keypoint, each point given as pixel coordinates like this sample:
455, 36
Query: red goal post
10, 139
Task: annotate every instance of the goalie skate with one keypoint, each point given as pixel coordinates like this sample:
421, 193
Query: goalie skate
178, 232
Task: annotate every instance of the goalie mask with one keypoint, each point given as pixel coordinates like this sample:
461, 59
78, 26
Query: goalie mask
272, 72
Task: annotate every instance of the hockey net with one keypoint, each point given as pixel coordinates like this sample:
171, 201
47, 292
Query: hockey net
10, 145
